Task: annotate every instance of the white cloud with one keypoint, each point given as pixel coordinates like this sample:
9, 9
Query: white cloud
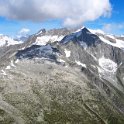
72, 12
113, 28
24, 31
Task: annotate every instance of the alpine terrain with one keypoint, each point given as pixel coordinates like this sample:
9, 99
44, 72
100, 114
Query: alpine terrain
62, 76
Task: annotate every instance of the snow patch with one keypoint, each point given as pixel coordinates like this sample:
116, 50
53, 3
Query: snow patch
118, 43
111, 36
8, 67
61, 60
107, 65
83, 44
12, 64
3, 72
67, 53
79, 63
17, 61
93, 66
96, 31
22, 48
43, 40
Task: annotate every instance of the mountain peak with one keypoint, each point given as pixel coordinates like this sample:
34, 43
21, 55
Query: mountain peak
42, 31
85, 29
81, 35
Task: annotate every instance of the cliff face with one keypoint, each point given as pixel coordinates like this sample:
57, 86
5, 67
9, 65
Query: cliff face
63, 77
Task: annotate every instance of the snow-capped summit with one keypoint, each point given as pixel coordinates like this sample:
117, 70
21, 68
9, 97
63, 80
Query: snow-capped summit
83, 35
7, 41
97, 31
80, 29
41, 32
43, 36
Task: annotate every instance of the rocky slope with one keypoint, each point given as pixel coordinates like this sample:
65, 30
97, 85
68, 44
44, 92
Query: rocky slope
63, 76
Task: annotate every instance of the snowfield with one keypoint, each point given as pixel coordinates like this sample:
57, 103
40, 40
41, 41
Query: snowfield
96, 31
118, 43
107, 65
5, 40
43, 40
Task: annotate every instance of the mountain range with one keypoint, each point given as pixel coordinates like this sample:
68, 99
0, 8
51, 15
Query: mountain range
62, 76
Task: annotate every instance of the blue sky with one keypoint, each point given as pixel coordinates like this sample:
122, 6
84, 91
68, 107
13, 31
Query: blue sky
13, 27
115, 21
112, 24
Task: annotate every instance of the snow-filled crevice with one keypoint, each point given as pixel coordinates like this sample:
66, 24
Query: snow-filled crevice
67, 53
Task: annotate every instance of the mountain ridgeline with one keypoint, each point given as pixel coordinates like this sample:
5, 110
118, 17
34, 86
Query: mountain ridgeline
63, 76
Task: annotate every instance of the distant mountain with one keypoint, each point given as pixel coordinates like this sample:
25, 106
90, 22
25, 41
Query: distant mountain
63, 76
7, 41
